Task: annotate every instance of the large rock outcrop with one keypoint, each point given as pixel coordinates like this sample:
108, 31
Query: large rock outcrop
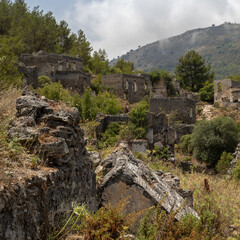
125, 175
32, 206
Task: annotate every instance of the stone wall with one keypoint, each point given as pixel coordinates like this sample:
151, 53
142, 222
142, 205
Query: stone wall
182, 109
129, 87
226, 92
36, 201
29, 75
67, 70
162, 134
105, 120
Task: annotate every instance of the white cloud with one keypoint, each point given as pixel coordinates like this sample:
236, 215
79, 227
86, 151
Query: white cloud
121, 25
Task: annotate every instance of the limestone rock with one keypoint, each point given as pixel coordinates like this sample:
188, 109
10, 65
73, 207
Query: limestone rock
125, 175
95, 157
33, 207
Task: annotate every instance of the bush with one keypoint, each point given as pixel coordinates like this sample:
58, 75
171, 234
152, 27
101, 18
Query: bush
211, 138
206, 93
236, 171
156, 224
110, 136
42, 80
223, 164
186, 144
138, 119
88, 105
54, 91
106, 223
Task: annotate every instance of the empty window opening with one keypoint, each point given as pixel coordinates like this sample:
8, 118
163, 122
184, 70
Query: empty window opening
135, 86
73, 66
52, 68
145, 86
126, 84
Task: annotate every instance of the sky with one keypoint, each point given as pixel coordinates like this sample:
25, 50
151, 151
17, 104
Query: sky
121, 25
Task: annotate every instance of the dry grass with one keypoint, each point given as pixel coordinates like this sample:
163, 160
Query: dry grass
7, 106
226, 194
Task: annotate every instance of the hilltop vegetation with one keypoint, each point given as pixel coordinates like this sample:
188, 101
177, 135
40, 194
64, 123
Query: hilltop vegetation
219, 45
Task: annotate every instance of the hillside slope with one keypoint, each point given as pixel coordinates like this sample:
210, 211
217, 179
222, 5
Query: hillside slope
219, 45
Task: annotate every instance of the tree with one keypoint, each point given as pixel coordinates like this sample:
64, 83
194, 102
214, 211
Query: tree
83, 48
193, 72
99, 62
211, 138
123, 66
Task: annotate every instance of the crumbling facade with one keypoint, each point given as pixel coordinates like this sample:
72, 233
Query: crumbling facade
68, 70
181, 109
129, 87
227, 92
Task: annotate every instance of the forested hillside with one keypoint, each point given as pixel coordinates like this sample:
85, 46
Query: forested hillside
219, 45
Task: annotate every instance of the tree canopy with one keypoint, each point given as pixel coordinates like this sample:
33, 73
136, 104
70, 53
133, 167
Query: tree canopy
193, 72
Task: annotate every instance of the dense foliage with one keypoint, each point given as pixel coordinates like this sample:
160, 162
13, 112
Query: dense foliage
206, 93
211, 138
224, 162
193, 72
88, 105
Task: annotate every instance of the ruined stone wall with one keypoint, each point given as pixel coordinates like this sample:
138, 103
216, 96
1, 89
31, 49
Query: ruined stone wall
105, 120
67, 70
227, 93
184, 109
74, 80
222, 91
129, 87
29, 75
35, 203
115, 82
160, 88
162, 134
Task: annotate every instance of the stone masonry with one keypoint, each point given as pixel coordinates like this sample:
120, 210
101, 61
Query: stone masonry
68, 70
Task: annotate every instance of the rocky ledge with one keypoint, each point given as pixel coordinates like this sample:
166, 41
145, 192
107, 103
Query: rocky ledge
32, 208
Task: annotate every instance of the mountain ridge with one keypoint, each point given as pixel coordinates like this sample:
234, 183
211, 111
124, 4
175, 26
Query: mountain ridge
218, 45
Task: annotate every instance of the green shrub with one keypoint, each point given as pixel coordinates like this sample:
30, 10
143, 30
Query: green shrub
157, 224
236, 171
223, 164
110, 136
88, 105
42, 80
161, 153
55, 91
186, 144
187, 159
211, 138
206, 93
106, 223
97, 86
138, 119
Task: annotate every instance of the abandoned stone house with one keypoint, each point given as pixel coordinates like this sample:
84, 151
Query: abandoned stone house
68, 70
227, 92
129, 87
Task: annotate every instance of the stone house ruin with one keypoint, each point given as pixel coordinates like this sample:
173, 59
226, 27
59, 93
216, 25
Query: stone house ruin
68, 70
129, 87
227, 92
169, 119
182, 108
